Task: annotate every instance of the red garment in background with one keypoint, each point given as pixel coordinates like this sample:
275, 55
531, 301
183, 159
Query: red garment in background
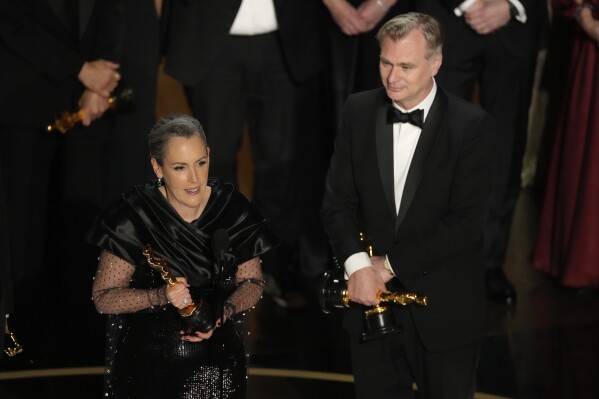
567, 245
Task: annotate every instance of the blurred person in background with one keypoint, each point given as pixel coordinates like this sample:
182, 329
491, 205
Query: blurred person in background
568, 232
56, 56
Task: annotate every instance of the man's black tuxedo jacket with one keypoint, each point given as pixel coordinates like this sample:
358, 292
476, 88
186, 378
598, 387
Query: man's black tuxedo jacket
197, 32
42, 52
434, 243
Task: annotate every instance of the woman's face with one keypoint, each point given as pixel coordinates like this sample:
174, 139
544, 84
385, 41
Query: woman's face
185, 174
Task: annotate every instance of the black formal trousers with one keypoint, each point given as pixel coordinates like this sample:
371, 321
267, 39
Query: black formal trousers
251, 83
387, 368
505, 83
55, 187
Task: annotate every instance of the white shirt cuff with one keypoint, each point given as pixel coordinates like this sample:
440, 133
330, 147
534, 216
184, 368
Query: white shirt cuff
356, 262
390, 267
521, 17
459, 10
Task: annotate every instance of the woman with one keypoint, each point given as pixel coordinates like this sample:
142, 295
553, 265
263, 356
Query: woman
566, 246
149, 355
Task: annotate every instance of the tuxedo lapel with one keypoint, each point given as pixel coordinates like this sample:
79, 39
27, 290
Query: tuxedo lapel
66, 12
85, 11
384, 149
430, 131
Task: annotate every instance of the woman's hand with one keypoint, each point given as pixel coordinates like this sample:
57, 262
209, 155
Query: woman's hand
198, 336
178, 295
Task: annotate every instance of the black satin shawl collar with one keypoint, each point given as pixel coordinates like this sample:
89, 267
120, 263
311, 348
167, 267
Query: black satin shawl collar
143, 216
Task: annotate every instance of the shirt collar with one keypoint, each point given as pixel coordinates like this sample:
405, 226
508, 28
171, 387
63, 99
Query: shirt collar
425, 104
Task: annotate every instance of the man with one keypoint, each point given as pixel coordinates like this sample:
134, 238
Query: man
54, 57
256, 63
494, 43
418, 189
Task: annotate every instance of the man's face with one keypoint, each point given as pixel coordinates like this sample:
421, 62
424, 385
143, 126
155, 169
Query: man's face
406, 73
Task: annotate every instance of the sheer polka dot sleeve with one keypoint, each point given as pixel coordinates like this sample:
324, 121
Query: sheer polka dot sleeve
250, 286
111, 293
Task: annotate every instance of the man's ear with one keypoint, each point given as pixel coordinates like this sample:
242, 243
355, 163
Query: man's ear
436, 64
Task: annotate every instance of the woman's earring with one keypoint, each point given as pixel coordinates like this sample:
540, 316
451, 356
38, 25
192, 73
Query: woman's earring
160, 182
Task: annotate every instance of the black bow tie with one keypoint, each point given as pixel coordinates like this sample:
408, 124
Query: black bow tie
415, 117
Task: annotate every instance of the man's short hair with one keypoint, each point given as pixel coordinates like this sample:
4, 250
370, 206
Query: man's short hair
400, 26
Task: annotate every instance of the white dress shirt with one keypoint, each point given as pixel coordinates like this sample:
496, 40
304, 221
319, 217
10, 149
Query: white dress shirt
405, 140
254, 17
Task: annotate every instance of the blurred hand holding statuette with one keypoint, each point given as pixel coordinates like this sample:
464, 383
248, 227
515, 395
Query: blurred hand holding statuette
122, 101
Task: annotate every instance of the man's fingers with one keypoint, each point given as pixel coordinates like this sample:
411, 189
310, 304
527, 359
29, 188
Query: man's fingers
85, 117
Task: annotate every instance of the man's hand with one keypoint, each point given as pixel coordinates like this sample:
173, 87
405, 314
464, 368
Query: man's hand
364, 285
372, 13
91, 106
347, 18
100, 76
486, 16
379, 267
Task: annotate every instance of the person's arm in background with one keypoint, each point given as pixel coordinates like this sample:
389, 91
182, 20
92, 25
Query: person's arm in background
373, 11
102, 43
55, 59
585, 14
25, 38
49, 56
347, 17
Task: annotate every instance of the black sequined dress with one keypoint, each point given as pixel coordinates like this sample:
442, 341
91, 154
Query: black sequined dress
146, 357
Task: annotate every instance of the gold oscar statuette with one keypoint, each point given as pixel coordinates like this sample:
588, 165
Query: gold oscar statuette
379, 320
122, 101
198, 315
12, 347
